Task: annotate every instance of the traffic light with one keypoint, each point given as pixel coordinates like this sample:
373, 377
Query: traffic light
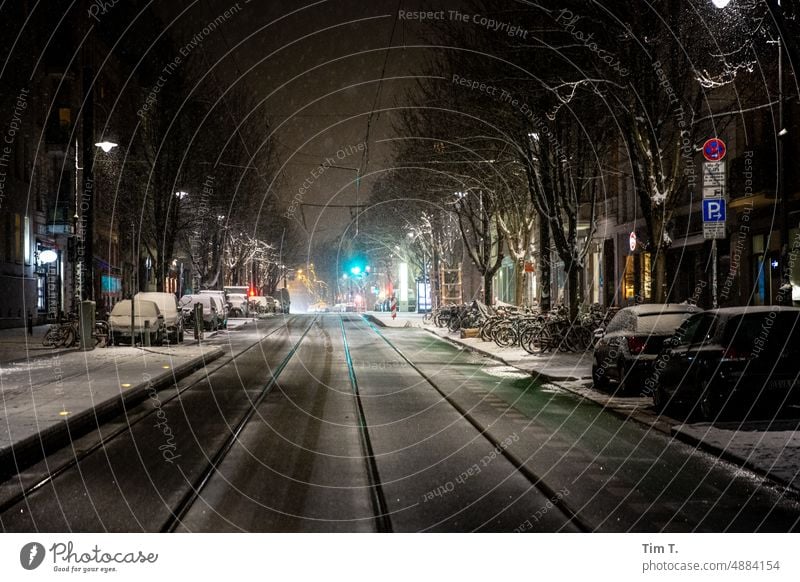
357, 267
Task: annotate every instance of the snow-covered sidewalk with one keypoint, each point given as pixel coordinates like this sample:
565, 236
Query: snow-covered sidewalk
45, 399
768, 448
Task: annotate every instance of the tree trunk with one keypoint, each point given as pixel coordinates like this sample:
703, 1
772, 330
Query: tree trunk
574, 289
545, 302
488, 277
519, 282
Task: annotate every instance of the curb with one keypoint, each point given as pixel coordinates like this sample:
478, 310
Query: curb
34, 448
372, 319
733, 459
538, 375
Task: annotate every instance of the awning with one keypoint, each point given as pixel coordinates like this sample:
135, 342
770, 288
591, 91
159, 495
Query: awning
688, 241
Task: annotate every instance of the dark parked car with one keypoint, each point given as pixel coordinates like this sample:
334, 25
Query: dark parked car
731, 360
633, 339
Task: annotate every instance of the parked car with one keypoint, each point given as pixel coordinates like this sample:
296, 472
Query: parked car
168, 305
237, 305
222, 304
261, 305
626, 350
275, 305
732, 360
119, 322
319, 307
213, 310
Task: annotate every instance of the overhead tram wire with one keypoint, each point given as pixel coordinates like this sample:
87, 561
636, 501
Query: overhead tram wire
375, 102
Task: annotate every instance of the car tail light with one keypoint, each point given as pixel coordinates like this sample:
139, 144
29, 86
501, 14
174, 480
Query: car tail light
736, 354
636, 344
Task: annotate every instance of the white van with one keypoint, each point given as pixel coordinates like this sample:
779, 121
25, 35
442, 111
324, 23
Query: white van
213, 309
168, 305
222, 306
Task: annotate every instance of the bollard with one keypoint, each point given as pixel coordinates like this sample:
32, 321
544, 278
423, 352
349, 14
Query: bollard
146, 338
86, 325
198, 321
30, 323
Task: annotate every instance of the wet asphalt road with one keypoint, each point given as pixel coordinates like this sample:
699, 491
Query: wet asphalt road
458, 443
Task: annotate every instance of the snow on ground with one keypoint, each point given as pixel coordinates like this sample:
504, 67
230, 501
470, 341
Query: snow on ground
775, 451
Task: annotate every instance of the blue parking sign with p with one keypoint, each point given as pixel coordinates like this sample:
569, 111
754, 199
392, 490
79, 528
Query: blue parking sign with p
714, 210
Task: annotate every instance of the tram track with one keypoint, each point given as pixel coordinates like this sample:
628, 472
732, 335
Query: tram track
122, 426
191, 496
535, 480
382, 520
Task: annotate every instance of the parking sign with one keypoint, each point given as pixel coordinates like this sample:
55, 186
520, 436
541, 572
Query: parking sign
713, 210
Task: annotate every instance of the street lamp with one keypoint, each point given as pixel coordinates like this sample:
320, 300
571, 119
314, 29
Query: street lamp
721, 3
106, 146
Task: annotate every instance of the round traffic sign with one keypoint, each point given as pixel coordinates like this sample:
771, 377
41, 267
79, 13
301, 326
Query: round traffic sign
714, 149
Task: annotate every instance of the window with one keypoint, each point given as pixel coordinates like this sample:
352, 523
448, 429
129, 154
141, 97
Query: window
628, 279
26, 237
64, 117
41, 293
646, 275
697, 329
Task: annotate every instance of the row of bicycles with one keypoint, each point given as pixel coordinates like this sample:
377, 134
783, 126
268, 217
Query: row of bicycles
530, 329
66, 334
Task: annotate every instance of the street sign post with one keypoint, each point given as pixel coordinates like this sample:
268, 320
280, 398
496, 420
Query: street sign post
714, 207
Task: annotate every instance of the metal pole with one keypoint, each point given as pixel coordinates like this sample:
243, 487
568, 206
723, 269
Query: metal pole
714, 303
87, 203
781, 194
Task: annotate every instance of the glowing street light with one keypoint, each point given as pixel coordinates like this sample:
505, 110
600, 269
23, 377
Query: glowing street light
106, 146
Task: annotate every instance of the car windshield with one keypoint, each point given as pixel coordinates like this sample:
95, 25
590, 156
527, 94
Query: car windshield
660, 323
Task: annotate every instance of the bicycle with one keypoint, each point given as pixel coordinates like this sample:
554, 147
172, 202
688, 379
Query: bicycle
67, 334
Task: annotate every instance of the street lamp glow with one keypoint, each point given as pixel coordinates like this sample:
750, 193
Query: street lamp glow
181, 195
356, 270
48, 256
720, 3
106, 146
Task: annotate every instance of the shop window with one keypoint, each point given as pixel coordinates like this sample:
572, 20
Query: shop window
41, 293
26, 238
646, 275
794, 263
629, 279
